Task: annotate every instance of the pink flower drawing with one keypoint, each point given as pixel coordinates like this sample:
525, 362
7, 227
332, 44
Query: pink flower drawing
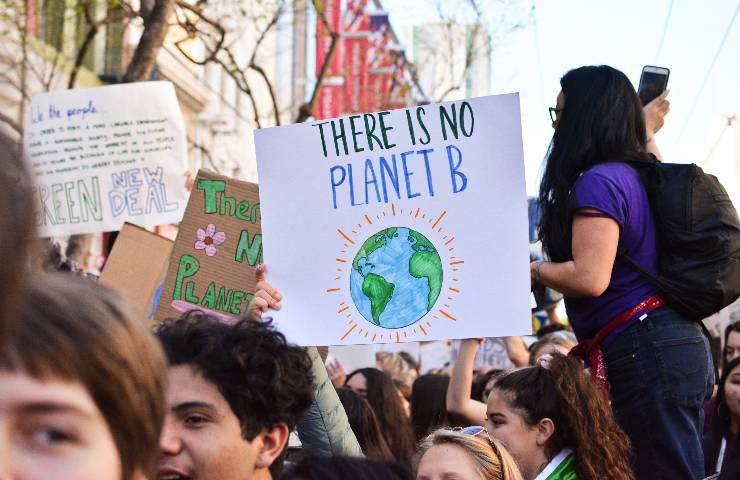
209, 239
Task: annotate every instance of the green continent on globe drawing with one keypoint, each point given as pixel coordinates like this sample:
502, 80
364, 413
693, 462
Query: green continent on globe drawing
371, 244
379, 292
425, 263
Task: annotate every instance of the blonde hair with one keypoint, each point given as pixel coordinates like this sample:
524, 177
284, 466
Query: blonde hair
396, 367
490, 458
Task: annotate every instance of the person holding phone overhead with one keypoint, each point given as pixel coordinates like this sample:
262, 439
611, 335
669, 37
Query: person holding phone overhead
658, 362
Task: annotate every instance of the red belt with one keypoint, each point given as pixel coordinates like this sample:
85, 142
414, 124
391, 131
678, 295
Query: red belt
592, 348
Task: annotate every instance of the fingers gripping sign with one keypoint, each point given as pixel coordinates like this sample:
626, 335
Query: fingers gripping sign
266, 297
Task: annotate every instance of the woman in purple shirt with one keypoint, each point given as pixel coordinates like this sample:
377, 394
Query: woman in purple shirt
658, 362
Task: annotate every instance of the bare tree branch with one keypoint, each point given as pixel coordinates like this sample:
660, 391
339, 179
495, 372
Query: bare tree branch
93, 29
306, 110
155, 29
192, 31
206, 153
253, 65
11, 122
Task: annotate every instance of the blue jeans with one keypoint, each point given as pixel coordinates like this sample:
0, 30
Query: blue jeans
660, 376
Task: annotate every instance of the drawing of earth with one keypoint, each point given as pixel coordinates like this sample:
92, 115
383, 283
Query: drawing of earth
396, 277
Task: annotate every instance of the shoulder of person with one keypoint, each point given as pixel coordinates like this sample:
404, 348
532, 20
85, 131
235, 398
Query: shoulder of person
618, 174
612, 170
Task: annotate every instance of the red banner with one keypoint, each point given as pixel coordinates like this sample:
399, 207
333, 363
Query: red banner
333, 13
356, 44
329, 100
355, 75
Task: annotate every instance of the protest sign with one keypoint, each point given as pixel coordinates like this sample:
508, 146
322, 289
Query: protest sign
136, 267
218, 246
491, 354
434, 355
103, 156
398, 226
352, 357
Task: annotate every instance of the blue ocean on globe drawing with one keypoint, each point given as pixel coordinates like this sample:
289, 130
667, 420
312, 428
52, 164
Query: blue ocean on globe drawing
410, 297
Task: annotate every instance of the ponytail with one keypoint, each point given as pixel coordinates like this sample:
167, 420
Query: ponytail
583, 420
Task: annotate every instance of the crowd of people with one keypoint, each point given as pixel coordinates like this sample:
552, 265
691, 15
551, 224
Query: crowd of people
88, 390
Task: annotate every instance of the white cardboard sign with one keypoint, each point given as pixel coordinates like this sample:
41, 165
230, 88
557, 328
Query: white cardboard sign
399, 226
106, 155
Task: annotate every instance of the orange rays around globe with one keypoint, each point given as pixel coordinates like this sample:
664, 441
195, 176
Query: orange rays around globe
450, 290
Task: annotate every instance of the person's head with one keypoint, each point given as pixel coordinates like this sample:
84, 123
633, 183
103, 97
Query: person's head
380, 392
429, 405
342, 468
484, 384
365, 425
16, 227
236, 391
551, 328
727, 408
469, 453
558, 342
732, 343
82, 385
401, 367
599, 118
536, 412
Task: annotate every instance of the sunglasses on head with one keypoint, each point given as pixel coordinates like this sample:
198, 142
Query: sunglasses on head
477, 430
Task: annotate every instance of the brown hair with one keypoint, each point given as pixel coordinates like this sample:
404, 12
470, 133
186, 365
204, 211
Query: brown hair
583, 420
490, 458
16, 225
75, 329
383, 397
556, 338
365, 425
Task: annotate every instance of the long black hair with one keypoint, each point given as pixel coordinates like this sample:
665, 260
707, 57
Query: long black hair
429, 405
601, 120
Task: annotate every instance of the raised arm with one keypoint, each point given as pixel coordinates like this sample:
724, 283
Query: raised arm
461, 383
655, 113
517, 351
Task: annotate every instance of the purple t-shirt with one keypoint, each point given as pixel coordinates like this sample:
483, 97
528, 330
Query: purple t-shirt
616, 190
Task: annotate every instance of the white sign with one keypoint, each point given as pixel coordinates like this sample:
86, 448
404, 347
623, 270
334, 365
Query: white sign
107, 155
491, 354
400, 226
352, 357
435, 355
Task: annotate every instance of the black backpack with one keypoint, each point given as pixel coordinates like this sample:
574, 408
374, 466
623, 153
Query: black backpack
698, 237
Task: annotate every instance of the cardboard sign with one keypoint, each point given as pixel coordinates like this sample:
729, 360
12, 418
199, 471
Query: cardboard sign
136, 267
218, 246
103, 156
399, 226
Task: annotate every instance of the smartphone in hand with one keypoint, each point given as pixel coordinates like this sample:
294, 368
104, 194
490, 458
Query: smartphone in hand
653, 82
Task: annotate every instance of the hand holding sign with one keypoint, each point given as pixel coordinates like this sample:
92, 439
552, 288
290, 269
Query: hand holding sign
265, 297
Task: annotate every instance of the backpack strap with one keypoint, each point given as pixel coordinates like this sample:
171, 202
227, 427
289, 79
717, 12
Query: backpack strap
622, 255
